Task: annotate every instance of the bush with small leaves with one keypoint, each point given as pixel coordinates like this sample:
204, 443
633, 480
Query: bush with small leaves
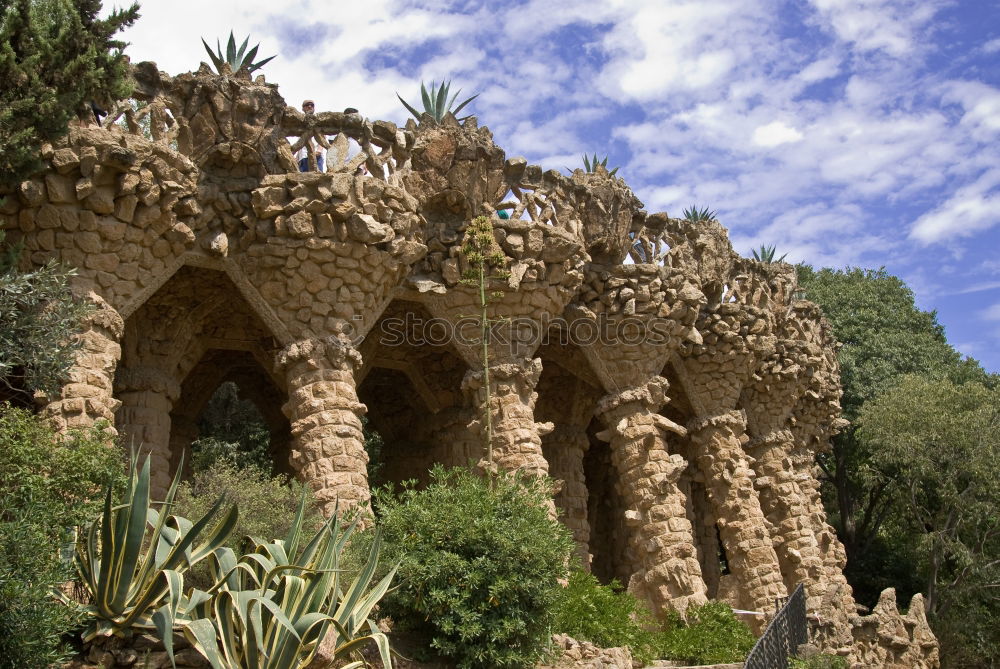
605, 615
711, 635
49, 484
819, 661
480, 565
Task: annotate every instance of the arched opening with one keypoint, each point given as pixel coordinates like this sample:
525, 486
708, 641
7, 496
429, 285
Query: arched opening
192, 335
230, 408
411, 384
605, 511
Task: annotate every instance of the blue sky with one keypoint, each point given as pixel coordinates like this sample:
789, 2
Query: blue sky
845, 132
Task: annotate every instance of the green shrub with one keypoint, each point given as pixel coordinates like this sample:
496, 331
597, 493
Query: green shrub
48, 485
267, 504
711, 635
31, 619
480, 563
605, 615
820, 661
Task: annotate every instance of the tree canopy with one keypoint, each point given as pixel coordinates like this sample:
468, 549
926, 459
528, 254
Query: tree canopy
56, 56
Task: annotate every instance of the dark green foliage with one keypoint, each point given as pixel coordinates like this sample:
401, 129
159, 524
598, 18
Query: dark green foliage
38, 317
694, 214
605, 615
893, 487
884, 337
55, 57
938, 444
436, 102
232, 431
32, 621
819, 661
480, 563
48, 486
711, 635
236, 59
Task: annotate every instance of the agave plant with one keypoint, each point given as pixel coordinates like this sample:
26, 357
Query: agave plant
271, 608
236, 59
133, 556
436, 102
766, 254
695, 215
590, 164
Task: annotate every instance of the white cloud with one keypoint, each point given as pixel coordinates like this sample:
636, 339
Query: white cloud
991, 313
878, 25
970, 209
774, 134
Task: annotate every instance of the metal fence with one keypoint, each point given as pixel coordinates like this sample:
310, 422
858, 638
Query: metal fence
783, 635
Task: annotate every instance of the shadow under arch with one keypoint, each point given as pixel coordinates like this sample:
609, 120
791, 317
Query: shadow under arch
196, 311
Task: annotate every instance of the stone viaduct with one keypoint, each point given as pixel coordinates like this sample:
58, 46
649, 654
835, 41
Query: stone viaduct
676, 392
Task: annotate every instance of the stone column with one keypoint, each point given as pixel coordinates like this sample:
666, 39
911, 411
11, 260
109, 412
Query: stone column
88, 396
328, 446
517, 438
147, 396
565, 449
783, 504
717, 446
665, 567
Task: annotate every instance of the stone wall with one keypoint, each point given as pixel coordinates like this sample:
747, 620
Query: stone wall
676, 392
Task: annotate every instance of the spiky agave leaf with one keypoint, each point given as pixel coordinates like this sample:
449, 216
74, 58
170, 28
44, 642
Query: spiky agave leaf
766, 254
694, 214
235, 58
590, 164
436, 102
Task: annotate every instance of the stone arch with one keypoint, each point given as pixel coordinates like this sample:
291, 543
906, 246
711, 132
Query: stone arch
196, 311
410, 382
243, 368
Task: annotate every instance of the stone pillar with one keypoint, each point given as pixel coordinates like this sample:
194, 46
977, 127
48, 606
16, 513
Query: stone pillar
328, 446
147, 396
716, 444
88, 396
784, 505
517, 438
565, 449
665, 568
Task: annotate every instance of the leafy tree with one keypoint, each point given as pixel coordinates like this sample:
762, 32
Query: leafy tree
938, 444
231, 431
55, 57
38, 318
884, 337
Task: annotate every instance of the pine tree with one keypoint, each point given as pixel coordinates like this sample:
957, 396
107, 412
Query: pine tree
56, 56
